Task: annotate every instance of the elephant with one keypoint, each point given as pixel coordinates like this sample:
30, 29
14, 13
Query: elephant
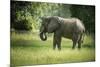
71, 28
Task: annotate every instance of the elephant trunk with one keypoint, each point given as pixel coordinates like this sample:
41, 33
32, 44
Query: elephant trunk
43, 36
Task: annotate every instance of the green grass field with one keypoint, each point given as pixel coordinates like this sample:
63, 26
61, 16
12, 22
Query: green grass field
28, 49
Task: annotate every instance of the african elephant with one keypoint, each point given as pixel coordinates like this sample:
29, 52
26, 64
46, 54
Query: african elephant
71, 28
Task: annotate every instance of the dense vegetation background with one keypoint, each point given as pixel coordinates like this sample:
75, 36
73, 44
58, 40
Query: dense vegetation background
26, 15
26, 46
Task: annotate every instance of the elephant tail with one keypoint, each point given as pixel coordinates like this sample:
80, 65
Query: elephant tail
83, 35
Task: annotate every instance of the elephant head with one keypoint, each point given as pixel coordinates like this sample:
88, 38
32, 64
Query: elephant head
48, 25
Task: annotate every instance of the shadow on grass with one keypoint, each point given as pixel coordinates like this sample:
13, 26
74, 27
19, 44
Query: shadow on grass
24, 43
88, 46
29, 43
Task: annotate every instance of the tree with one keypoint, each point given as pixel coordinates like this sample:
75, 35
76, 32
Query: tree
26, 15
86, 14
19, 21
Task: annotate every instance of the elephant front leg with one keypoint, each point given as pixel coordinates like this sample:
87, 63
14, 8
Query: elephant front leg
57, 42
54, 43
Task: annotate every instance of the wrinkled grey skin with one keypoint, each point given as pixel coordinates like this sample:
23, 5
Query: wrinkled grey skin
71, 28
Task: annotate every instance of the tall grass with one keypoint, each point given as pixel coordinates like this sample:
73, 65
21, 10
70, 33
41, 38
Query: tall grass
28, 49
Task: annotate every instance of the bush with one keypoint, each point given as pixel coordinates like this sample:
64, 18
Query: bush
23, 25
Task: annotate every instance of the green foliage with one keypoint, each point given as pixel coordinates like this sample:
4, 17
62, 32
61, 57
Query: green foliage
32, 11
23, 25
86, 14
19, 16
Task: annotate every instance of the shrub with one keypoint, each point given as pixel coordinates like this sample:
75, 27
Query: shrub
23, 25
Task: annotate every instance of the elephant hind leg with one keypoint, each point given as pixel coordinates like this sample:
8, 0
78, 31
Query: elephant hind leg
59, 46
74, 44
74, 39
80, 41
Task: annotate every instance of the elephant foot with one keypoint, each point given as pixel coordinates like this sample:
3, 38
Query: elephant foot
59, 49
73, 48
79, 47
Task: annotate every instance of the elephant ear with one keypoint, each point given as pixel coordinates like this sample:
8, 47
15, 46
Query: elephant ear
53, 25
42, 18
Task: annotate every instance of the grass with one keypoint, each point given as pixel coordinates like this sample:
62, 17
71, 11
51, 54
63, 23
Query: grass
28, 49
